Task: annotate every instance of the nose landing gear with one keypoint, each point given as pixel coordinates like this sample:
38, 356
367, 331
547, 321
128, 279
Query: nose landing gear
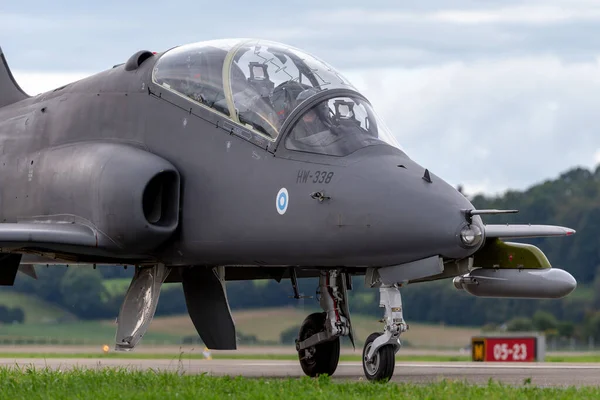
378, 357
318, 343
382, 363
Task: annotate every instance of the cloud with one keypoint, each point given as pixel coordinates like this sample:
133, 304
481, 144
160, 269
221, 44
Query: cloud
517, 15
492, 124
12, 23
489, 94
381, 34
597, 156
34, 83
407, 36
521, 14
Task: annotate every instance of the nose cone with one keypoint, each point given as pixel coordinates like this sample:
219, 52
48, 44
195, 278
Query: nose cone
421, 214
445, 228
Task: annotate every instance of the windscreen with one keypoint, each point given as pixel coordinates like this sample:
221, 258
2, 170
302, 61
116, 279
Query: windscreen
337, 127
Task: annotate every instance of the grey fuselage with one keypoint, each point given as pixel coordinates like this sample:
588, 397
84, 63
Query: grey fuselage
376, 209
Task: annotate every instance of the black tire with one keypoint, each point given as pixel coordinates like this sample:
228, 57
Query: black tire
384, 361
326, 355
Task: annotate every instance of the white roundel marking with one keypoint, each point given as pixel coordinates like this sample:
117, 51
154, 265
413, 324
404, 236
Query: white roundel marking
282, 200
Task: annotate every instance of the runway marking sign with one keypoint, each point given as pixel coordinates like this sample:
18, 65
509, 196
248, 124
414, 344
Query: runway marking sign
478, 350
505, 349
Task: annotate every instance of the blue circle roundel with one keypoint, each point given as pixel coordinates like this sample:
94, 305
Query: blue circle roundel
282, 200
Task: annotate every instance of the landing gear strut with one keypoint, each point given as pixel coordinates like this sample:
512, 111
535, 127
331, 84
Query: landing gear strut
378, 357
318, 343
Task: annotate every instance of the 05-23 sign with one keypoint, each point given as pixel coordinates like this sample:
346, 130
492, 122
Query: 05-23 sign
517, 352
504, 349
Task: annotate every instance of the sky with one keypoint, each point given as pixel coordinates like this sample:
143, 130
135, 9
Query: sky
492, 95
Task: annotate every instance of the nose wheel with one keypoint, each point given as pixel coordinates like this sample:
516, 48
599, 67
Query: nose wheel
381, 366
379, 353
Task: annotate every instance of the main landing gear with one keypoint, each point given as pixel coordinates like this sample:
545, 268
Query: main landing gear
318, 342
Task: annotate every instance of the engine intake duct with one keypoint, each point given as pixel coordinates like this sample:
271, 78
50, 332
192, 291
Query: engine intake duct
128, 194
161, 199
550, 283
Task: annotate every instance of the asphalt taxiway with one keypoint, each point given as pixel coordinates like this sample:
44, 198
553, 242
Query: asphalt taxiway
539, 374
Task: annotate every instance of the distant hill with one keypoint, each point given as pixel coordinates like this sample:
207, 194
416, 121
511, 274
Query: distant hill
36, 310
268, 324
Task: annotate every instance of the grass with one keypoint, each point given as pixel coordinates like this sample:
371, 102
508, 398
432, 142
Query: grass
88, 332
584, 358
198, 356
267, 325
36, 310
123, 384
591, 358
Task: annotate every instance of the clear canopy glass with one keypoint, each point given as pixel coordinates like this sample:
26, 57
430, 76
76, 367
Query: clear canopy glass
259, 83
254, 82
196, 71
337, 127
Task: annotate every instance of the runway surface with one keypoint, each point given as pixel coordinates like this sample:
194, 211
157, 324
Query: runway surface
542, 374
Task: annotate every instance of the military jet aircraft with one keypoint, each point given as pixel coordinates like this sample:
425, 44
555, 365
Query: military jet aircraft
243, 159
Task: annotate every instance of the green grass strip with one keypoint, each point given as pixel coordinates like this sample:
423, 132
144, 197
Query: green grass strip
123, 384
592, 358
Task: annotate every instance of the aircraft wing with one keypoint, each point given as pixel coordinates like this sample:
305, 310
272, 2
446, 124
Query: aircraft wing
525, 231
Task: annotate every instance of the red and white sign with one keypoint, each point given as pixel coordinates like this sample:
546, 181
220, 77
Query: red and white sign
510, 349
505, 349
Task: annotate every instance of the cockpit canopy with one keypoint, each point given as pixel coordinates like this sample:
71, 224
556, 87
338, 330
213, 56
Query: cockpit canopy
338, 126
253, 82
